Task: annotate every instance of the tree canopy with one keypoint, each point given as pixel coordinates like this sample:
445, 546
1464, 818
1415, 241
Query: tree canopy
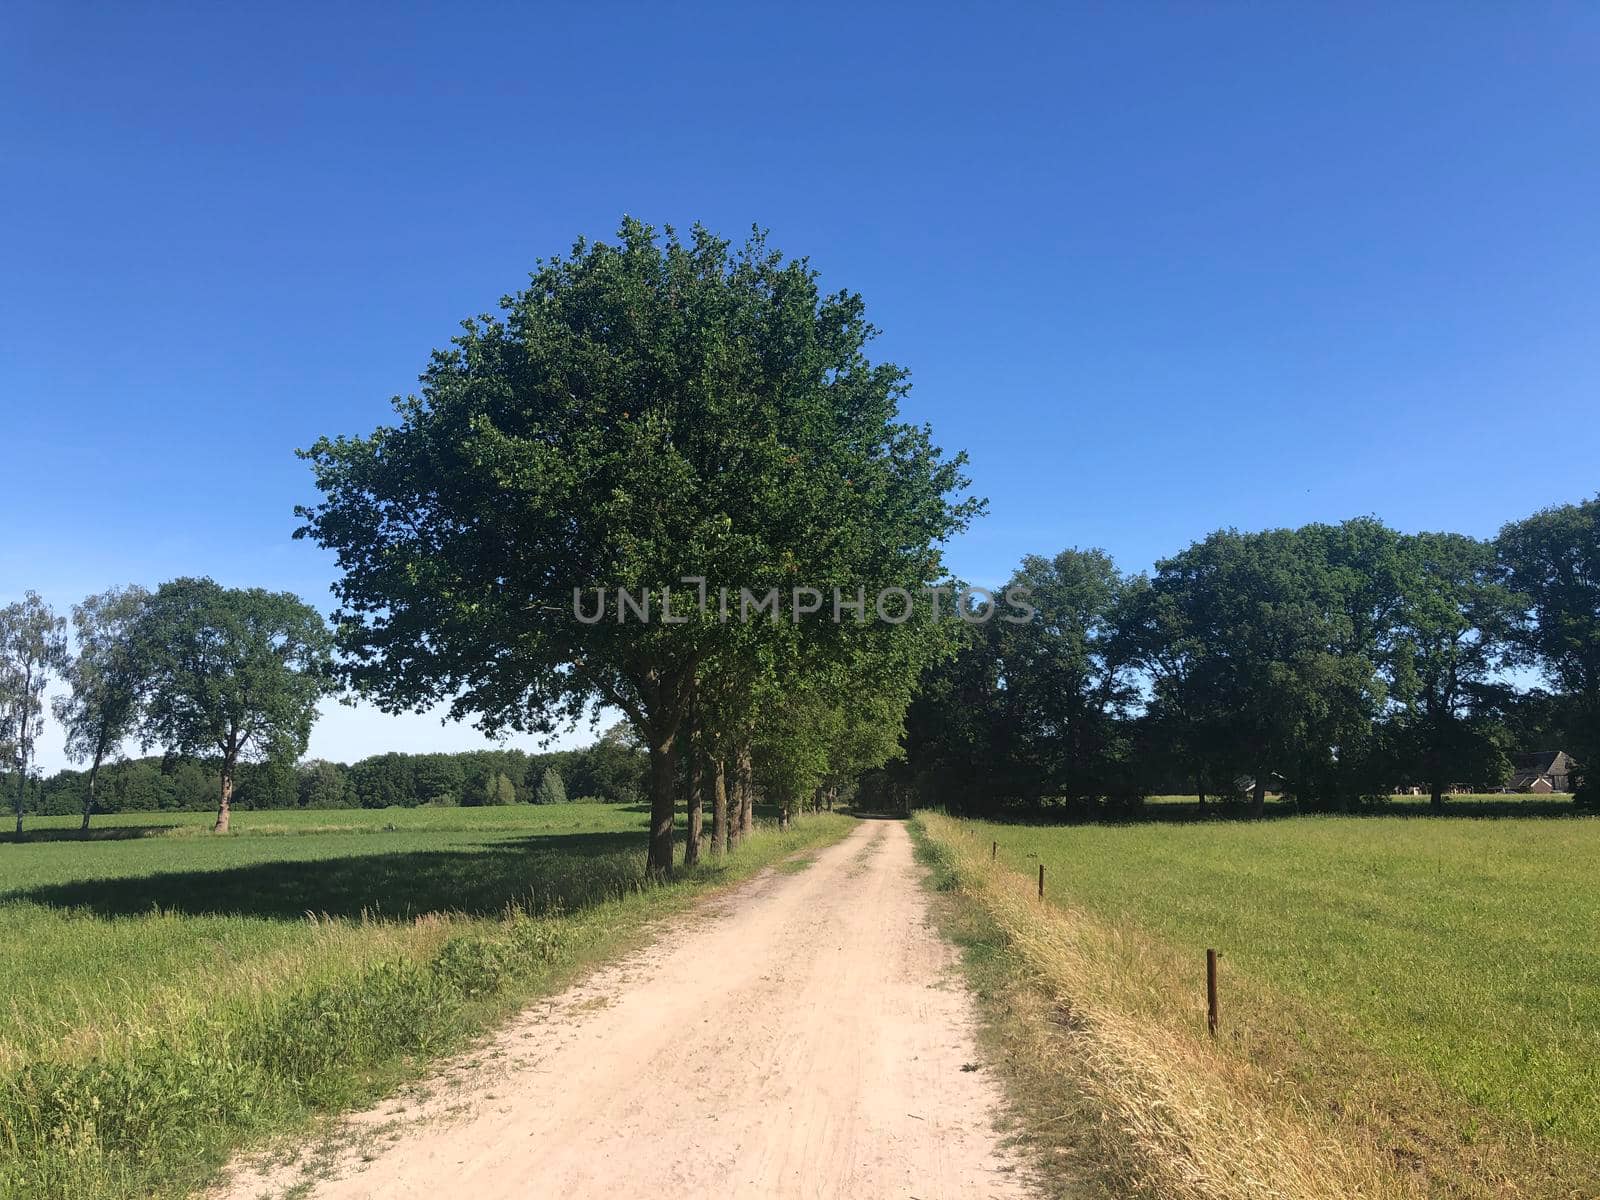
655, 415
107, 677
1552, 561
231, 672
1331, 663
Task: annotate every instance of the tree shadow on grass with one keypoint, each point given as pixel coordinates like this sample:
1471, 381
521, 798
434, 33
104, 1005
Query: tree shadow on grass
763, 810
95, 833
539, 873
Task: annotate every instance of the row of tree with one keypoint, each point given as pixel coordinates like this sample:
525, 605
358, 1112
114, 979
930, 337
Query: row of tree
1333, 663
226, 682
230, 675
662, 416
610, 771
667, 417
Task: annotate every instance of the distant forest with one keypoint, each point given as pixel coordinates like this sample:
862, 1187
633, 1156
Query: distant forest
611, 770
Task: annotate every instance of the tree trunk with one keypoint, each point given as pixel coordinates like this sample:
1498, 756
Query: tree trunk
747, 794
695, 804
88, 801
663, 800
1438, 795
223, 806
1258, 798
22, 748
719, 809
735, 807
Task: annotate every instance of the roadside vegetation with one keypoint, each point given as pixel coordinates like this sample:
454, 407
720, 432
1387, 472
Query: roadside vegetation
171, 996
1407, 1009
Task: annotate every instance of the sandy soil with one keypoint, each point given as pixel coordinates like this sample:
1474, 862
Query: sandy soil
804, 1036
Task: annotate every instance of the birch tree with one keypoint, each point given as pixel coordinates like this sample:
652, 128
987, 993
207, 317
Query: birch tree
105, 675
33, 651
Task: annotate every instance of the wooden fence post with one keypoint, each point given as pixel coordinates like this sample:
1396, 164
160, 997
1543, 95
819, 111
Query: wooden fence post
1211, 992
1041, 881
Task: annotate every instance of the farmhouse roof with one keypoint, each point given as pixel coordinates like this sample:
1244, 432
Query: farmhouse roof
1537, 762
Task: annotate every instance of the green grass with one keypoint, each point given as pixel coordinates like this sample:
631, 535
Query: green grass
167, 995
1464, 949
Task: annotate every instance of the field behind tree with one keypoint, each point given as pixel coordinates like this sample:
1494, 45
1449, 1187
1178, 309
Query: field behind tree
1426, 992
168, 994
1456, 804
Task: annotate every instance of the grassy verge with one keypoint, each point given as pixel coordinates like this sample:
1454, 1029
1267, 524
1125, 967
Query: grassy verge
151, 1043
1095, 1015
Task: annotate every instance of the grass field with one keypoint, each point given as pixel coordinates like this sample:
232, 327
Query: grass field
166, 995
1475, 804
1434, 985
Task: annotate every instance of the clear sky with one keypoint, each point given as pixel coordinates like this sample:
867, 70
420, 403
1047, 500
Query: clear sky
1158, 269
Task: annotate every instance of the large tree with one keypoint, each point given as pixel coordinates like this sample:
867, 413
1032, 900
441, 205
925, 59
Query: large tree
1271, 648
1066, 677
233, 673
1237, 651
644, 412
106, 677
1183, 736
33, 651
1450, 632
1552, 560
1032, 710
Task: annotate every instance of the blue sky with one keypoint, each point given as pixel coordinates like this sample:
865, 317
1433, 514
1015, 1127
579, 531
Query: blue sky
1159, 269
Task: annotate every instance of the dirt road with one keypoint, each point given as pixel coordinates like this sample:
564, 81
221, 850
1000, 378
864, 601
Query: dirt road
806, 1037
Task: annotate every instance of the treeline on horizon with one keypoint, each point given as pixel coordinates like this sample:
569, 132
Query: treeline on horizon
660, 411
1331, 664
612, 770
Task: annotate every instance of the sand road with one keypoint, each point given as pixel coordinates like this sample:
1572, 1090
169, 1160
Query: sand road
805, 1035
